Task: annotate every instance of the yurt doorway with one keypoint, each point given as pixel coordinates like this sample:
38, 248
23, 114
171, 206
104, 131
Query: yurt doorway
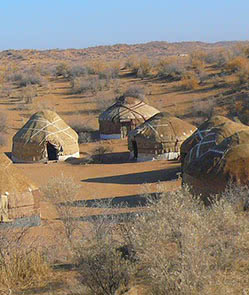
134, 146
125, 129
52, 152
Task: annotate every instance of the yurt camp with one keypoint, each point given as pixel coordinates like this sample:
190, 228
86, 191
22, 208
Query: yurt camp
123, 116
44, 137
19, 197
160, 137
220, 157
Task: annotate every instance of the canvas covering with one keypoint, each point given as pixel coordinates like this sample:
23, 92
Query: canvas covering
221, 156
29, 143
162, 133
202, 131
19, 197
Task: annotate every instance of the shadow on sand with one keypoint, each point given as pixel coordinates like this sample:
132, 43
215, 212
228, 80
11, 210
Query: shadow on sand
139, 178
139, 200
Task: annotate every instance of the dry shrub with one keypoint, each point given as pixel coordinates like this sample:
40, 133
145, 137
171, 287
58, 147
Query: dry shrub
236, 64
186, 248
22, 266
85, 132
26, 77
101, 266
28, 93
243, 75
97, 66
203, 108
81, 85
144, 68
134, 91
98, 153
111, 71
61, 191
22, 269
77, 71
217, 57
99, 257
63, 70
102, 103
139, 66
131, 62
197, 60
170, 69
189, 81
240, 66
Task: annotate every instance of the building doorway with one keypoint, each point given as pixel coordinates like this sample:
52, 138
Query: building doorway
52, 152
125, 129
134, 146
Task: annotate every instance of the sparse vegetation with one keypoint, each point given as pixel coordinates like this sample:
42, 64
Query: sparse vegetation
61, 191
170, 70
21, 266
28, 93
189, 81
93, 85
85, 132
101, 266
63, 70
139, 66
174, 244
134, 91
98, 153
26, 78
185, 248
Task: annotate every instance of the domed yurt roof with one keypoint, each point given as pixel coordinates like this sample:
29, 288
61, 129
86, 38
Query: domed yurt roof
11, 180
213, 162
29, 143
224, 128
127, 109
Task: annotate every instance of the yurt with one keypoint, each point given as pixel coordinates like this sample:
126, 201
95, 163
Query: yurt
202, 131
19, 197
123, 116
44, 137
160, 137
220, 157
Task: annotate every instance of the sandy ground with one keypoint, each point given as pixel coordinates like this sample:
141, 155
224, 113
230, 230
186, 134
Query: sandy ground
117, 178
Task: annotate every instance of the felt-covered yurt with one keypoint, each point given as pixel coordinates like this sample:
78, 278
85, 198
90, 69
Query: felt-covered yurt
160, 137
19, 197
44, 137
202, 131
123, 116
220, 157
